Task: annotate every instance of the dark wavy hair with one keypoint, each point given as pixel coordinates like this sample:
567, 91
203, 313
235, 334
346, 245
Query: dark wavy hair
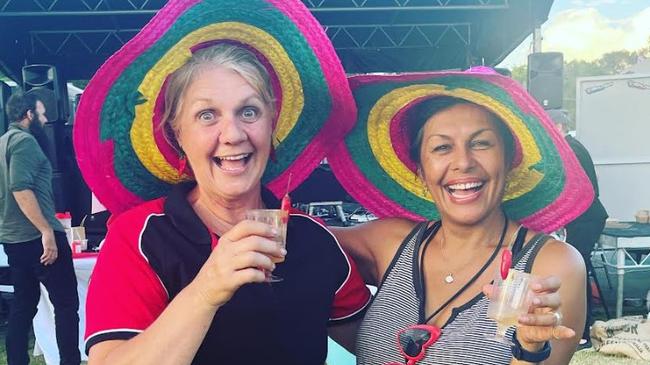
17, 107
418, 115
19, 104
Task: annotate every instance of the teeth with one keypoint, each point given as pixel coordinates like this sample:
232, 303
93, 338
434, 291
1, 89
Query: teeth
235, 157
466, 186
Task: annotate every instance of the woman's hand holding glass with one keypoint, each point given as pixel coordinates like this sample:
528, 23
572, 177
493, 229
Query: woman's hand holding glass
242, 256
541, 322
278, 219
511, 297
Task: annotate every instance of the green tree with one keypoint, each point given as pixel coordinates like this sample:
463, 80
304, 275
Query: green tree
617, 62
520, 73
79, 83
572, 71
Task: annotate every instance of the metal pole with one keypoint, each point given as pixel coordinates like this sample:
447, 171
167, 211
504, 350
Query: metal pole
32, 13
620, 272
76, 13
537, 39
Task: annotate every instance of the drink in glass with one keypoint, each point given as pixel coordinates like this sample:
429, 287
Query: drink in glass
510, 298
277, 218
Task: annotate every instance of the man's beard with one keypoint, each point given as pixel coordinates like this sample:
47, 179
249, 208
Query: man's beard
36, 129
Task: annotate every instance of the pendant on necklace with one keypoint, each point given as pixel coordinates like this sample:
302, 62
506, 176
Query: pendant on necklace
449, 278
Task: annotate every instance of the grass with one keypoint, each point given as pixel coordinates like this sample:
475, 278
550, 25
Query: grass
38, 360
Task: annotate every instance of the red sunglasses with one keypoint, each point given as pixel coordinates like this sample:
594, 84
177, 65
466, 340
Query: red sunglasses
414, 340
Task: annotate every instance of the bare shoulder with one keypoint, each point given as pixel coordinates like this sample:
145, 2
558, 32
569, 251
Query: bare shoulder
558, 258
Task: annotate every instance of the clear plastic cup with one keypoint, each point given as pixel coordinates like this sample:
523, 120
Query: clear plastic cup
510, 298
278, 219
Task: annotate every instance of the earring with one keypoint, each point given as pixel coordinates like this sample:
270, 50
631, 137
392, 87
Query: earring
426, 193
183, 166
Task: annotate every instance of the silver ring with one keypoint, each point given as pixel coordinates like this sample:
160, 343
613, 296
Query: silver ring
558, 318
554, 335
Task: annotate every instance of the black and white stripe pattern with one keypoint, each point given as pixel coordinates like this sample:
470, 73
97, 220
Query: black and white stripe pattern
395, 307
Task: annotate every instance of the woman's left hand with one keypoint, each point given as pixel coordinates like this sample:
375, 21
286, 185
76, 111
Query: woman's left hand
541, 324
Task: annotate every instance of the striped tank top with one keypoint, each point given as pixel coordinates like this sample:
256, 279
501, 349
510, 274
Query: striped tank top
396, 306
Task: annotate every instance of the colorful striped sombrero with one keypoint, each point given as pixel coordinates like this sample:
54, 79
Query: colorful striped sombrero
120, 148
546, 188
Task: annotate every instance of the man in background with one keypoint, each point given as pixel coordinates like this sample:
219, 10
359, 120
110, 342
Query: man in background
585, 230
34, 240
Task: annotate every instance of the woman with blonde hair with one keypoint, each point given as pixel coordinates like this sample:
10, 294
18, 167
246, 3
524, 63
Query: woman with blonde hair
203, 116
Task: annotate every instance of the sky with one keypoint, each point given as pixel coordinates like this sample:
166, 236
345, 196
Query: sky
587, 29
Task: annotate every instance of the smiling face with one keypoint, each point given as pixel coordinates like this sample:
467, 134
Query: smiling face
463, 163
224, 127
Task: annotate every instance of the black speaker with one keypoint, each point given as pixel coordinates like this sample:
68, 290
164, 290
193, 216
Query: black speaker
50, 88
61, 202
5, 92
546, 78
79, 198
53, 151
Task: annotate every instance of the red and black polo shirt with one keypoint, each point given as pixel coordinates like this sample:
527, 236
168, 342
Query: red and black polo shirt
153, 251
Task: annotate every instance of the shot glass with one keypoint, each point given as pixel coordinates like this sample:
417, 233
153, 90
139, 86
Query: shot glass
510, 298
278, 219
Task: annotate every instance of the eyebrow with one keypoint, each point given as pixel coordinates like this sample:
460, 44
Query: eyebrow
473, 135
253, 97
481, 131
248, 99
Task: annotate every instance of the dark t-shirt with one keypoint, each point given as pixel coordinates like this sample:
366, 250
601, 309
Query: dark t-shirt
596, 211
23, 166
153, 251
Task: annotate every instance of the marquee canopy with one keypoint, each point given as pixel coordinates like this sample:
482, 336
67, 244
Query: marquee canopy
369, 35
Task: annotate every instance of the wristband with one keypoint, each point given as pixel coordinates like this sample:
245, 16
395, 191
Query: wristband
520, 353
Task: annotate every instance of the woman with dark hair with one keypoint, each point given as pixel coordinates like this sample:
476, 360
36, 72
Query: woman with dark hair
473, 156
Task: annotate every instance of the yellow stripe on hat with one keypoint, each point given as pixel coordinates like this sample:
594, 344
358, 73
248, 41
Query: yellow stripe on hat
390, 104
142, 136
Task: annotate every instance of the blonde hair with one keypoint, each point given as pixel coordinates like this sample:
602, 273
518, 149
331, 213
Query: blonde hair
229, 56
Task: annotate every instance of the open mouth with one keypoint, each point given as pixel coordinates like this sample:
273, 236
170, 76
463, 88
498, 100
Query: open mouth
232, 162
464, 190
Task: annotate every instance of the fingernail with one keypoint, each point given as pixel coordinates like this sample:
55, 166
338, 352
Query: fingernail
275, 232
283, 251
537, 286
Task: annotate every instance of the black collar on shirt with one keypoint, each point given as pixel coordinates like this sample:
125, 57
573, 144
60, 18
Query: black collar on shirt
185, 219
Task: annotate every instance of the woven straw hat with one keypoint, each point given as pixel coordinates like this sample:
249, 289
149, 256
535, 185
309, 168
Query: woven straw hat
545, 189
120, 148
